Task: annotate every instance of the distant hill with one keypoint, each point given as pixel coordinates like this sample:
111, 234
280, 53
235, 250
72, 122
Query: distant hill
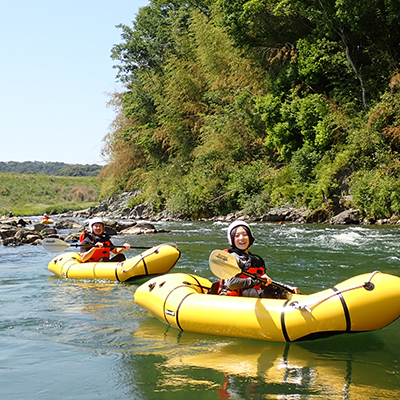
50, 168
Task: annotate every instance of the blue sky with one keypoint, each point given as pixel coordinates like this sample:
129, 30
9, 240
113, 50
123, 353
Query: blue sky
55, 77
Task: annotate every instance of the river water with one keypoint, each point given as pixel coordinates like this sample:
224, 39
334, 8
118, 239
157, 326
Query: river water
85, 340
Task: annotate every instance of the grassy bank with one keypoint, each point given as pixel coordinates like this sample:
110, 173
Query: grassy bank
36, 194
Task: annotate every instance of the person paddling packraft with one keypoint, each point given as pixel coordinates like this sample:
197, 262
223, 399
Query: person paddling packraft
241, 238
102, 245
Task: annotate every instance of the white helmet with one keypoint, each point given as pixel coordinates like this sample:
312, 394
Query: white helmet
235, 224
96, 220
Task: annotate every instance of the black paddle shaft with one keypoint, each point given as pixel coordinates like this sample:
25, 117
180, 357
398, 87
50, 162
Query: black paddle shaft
279, 285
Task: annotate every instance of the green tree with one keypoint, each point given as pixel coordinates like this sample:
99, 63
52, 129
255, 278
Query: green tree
367, 34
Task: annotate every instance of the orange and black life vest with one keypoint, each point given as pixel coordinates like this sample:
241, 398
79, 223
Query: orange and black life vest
247, 262
89, 239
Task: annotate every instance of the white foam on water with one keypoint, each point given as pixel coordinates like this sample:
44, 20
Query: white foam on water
352, 238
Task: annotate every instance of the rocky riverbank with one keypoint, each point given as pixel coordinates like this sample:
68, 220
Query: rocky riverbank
117, 207
15, 232
138, 220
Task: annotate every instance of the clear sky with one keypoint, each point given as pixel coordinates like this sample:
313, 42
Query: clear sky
55, 77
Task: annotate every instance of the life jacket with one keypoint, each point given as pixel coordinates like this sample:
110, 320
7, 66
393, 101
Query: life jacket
98, 253
227, 292
257, 270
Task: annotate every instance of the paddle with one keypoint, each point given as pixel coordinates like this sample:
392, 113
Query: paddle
53, 244
224, 266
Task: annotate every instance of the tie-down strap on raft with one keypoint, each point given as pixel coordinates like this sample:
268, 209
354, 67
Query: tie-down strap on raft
368, 285
142, 257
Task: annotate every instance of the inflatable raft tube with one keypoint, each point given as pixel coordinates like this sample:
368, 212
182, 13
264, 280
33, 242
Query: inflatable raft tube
156, 260
363, 303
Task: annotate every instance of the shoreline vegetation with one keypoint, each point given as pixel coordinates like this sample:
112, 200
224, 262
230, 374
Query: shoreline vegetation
245, 106
138, 220
64, 197
33, 194
122, 207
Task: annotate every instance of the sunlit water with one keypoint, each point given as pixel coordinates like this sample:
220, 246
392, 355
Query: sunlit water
84, 340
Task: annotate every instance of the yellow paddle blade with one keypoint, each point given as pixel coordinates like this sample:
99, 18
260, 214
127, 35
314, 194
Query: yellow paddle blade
223, 264
53, 244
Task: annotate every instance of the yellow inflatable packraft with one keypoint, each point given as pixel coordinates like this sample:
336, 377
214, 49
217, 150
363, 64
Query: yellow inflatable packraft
156, 260
363, 303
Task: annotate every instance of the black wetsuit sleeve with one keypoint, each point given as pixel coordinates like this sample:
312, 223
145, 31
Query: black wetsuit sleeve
236, 283
87, 244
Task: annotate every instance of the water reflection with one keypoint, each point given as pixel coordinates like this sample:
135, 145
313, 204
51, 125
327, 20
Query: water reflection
85, 339
346, 367
153, 360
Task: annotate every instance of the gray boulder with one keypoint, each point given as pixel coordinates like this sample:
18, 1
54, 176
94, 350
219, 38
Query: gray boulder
67, 224
347, 217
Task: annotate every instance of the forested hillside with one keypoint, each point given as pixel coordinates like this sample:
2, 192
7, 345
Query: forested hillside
49, 168
243, 105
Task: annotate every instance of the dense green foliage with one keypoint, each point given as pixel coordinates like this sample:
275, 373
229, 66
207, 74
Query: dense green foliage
243, 105
36, 194
50, 168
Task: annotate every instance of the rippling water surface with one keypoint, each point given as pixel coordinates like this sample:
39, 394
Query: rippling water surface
87, 340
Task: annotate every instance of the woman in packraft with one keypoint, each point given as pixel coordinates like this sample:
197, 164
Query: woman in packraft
241, 238
97, 246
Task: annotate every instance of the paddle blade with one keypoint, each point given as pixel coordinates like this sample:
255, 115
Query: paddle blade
53, 244
223, 265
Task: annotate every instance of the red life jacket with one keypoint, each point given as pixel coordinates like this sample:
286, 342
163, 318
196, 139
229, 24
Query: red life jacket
258, 271
228, 292
98, 253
